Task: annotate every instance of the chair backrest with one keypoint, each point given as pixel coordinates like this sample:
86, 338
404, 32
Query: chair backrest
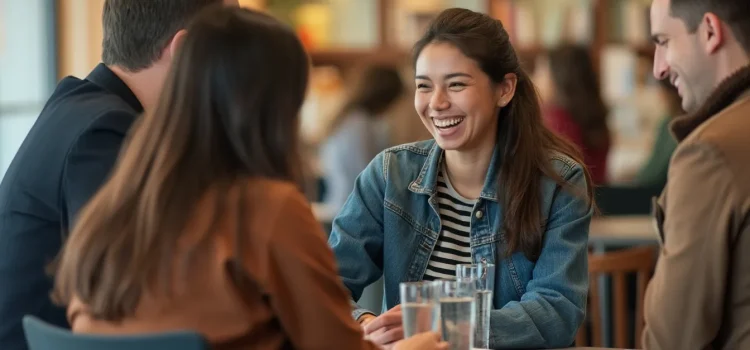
43, 336
618, 264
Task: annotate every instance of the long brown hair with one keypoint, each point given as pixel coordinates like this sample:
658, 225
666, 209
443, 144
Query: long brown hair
229, 111
577, 91
527, 146
376, 89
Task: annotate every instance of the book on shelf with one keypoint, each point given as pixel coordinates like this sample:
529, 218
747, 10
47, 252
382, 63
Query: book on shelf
628, 21
546, 23
412, 17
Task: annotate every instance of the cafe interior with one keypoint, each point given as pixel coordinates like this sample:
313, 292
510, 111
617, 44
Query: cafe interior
346, 38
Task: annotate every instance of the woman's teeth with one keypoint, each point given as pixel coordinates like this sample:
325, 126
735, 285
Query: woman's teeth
447, 123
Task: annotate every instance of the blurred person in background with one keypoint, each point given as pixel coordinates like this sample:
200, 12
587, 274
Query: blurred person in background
653, 174
202, 225
358, 132
69, 151
573, 106
699, 295
493, 185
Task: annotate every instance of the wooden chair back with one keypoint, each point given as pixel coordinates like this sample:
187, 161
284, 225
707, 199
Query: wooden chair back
618, 265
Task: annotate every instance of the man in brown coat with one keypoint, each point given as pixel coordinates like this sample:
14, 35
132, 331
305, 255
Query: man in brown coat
699, 297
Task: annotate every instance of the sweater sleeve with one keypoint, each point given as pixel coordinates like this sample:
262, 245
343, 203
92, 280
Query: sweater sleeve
306, 293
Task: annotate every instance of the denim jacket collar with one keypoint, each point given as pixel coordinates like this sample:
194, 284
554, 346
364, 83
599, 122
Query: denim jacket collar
426, 182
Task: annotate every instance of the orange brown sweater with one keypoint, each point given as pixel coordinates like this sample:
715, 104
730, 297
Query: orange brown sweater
295, 297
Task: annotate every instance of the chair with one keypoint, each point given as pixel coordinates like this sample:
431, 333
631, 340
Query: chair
618, 264
43, 336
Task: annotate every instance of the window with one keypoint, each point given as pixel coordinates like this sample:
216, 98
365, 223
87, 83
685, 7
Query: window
27, 69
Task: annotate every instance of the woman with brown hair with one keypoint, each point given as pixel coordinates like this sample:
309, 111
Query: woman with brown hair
201, 226
494, 185
358, 132
573, 105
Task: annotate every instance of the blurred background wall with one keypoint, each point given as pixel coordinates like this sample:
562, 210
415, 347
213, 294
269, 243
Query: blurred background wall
42, 41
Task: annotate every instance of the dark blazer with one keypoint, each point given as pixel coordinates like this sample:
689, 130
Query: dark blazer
66, 156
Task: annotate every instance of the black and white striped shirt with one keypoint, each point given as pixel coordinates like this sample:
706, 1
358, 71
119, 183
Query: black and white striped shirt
454, 244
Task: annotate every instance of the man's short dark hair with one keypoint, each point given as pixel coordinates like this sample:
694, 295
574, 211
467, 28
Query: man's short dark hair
735, 13
137, 31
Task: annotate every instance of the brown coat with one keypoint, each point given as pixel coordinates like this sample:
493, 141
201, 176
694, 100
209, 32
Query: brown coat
699, 297
296, 298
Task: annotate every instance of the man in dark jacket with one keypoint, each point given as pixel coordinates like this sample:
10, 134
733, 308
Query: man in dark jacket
73, 145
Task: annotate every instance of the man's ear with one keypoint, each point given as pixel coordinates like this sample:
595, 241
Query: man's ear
176, 42
711, 32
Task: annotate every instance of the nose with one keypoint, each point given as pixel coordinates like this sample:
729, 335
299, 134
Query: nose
661, 68
439, 100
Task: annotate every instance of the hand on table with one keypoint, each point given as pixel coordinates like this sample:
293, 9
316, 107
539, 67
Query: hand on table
384, 330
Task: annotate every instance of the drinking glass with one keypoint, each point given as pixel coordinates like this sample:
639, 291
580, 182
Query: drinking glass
457, 300
483, 276
419, 307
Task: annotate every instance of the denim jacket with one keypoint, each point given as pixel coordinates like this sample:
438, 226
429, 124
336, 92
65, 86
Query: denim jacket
390, 225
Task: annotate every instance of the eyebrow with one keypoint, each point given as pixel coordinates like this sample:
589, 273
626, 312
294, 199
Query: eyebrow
447, 76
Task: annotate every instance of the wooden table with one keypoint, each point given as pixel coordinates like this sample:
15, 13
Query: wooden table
623, 230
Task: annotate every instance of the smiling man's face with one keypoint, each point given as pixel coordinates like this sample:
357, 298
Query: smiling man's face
680, 56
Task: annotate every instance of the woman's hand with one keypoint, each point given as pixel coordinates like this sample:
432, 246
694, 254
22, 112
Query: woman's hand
422, 341
386, 329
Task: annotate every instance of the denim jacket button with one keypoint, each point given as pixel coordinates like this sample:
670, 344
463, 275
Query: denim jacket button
479, 214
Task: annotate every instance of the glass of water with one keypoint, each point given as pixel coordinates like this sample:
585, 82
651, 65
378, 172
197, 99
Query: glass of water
419, 307
483, 276
457, 310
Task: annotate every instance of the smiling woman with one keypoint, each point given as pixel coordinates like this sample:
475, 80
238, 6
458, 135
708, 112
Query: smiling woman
457, 101
493, 185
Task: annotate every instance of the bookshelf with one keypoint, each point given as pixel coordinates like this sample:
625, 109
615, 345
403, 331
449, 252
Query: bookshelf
387, 28
345, 33
615, 31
